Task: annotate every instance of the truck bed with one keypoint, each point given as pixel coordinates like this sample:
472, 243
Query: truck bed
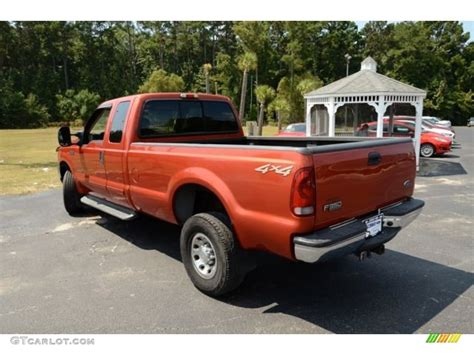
342, 167
309, 144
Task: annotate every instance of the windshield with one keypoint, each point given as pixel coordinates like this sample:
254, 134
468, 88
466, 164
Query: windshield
301, 127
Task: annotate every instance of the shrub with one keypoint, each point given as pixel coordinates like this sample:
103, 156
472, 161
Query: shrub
20, 112
74, 105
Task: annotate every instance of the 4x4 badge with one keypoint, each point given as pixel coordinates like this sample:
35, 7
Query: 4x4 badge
277, 169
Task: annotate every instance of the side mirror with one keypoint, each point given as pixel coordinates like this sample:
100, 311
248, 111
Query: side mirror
76, 138
64, 136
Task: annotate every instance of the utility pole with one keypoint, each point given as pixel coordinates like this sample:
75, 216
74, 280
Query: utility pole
348, 58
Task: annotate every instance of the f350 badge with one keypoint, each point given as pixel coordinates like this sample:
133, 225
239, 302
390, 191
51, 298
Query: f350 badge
277, 169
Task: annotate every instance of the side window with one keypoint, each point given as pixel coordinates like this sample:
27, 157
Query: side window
118, 122
373, 128
97, 128
401, 130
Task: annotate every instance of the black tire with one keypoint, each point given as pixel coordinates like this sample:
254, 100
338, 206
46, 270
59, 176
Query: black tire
427, 150
71, 197
229, 271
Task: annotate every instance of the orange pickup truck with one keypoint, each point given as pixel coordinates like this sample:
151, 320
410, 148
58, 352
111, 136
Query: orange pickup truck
184, 158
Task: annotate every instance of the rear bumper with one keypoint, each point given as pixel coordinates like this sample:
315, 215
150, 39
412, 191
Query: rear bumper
352, 237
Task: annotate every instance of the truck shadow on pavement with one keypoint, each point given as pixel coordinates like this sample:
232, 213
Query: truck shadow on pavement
393, 293
440, 167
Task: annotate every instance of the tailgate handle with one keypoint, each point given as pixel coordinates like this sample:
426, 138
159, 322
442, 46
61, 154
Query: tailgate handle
374, 158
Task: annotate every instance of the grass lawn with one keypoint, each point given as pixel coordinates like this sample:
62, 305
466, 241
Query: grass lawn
28, 160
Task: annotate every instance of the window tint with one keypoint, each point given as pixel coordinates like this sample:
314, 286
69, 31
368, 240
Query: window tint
401, 130
296, 128
219, 116
300, 128
118, 122
191, 119
161, 117
373, 127
96, 132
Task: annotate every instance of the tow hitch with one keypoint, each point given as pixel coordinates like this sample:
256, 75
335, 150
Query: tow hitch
366, 254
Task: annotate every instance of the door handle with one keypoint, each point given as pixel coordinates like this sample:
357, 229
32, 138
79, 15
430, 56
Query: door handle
374, 158
101, 157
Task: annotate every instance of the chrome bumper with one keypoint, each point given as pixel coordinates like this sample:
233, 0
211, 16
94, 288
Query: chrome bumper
352, 237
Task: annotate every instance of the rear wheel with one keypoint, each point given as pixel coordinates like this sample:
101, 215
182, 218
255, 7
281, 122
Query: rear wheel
210, 254
71, 197
427, 150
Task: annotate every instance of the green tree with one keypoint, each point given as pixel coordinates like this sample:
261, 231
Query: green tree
281, 107
161, 81
265, 95
247, 62
377, 40
18, 111
74, 105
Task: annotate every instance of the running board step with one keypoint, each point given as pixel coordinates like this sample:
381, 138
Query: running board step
120, 212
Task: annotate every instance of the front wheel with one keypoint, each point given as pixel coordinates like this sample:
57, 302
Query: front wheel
210, 254
71, 197
427, 150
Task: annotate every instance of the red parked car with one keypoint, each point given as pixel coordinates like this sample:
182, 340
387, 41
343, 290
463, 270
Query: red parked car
293, 130
431, 143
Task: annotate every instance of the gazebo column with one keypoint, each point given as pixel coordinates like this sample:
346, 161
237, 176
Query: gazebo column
380, 108
332, 107
308, 119
419, 113
332, 117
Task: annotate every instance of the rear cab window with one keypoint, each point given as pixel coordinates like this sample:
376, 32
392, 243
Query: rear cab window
161, 118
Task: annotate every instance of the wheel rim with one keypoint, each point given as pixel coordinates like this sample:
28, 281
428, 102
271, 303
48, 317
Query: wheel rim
203, 256
427, 150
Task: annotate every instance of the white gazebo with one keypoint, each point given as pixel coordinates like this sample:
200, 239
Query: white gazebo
365, 86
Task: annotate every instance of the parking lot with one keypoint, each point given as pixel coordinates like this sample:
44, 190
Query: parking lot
96, 274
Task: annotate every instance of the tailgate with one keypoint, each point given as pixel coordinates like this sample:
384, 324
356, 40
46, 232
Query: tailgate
358, 178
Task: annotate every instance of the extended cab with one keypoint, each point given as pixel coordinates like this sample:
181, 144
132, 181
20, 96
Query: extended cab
183, 158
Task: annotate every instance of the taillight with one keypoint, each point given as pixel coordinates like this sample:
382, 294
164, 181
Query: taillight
303, 193
189, 96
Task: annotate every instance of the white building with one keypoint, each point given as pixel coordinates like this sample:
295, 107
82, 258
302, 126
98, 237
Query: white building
365, 86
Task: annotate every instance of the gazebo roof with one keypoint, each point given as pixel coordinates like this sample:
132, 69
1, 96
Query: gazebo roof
366, 81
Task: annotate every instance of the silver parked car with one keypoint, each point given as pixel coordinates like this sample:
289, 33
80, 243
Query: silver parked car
437, 121
470, 122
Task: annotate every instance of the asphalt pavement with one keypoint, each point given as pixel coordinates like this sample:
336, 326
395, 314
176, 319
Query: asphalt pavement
96, 274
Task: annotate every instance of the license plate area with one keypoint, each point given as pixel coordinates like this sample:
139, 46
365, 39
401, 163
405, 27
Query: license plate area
374, 225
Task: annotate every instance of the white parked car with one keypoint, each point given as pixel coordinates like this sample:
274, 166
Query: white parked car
428, 127
437, 121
